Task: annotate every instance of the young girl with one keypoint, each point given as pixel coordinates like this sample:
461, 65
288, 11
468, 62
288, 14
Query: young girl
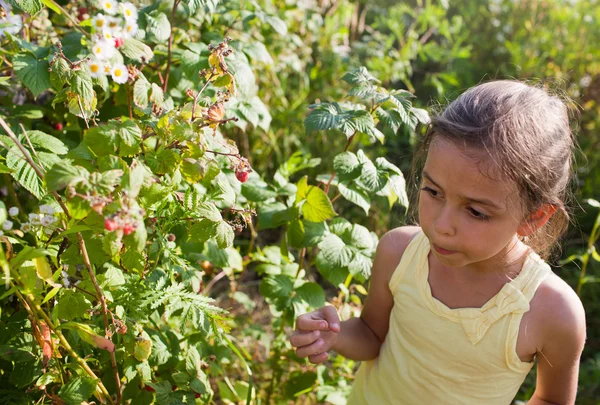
460, 307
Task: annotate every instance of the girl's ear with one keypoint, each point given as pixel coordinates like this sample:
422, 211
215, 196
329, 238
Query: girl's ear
536, 220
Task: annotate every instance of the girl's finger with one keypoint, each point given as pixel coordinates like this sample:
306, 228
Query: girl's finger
305, 322
299, 339
314, 348
318, 358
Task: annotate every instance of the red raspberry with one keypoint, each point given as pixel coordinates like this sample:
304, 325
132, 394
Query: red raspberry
110, 224
242, 176
119, 42
196, 395
127, 229
148, 388
58, 126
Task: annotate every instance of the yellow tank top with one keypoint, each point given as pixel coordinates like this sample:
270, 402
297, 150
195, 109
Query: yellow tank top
434, 355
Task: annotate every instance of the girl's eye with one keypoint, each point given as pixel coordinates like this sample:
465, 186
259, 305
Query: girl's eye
479, 215
430, 191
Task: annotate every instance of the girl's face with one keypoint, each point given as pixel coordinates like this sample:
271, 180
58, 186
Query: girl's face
469, 216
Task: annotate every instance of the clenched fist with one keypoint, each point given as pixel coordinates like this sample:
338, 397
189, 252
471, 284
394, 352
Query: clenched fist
316, 333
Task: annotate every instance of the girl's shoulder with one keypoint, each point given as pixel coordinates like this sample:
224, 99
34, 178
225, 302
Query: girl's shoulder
558, 313
390, 249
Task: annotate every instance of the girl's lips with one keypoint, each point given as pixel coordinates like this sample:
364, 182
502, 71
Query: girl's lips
443, 251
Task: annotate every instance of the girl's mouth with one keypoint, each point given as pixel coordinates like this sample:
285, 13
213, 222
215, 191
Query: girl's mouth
443, 251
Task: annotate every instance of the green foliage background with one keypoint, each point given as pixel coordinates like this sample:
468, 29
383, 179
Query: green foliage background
218, 310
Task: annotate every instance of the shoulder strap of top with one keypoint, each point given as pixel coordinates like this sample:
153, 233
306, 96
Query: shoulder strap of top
534, 271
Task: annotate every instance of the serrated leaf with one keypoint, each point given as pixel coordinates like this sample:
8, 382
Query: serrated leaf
65, 174
140, 92
404, 106
278, 286
136, 50
311, 293
323, 117
102, 140
224, 235
158, 26
163, 161
316, 206
156, 95
29, 6
78, 390
82, 86
421, 115
335, 251
24, 173
346, 165
209, 211
361, 266
71, 305
202, 231
355, 195
32, 72
42, 140
359, 75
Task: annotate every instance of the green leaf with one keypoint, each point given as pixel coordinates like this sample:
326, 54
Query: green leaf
29, 6
32, 72
42, 140
346, 165
71, 305
258, 51
323, 117
3, 212
355, 195
133, 261
136, 50
102, 140
163, 161
209, 211
404, 105
24, 173
421, 115
225, 235
295, 233
202, 231
157, 96
277, 287
359, 75
398, 185
82, 86
158, 26
311, 293
64, 174
257, 191
335, 251
134, 179
77, 390
316, 205
131, 136
360, 266
140, 92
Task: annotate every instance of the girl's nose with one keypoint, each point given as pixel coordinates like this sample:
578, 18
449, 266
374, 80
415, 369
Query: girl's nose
444, 222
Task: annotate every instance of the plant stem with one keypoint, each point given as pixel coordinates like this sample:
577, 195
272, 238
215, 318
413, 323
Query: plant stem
166, 82
29, 306
345, 150
88, 265
71, 18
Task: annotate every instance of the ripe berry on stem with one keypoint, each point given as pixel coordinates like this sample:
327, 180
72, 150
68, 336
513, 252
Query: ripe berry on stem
110, 224
127, 229
58, 126
241, 176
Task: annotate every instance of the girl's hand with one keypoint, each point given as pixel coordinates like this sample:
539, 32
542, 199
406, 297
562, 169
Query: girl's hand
316, 333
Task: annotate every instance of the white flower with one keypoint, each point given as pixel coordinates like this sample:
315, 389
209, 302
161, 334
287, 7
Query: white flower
35, 219
103, 50
99, 22
96, 68
113, 23
108, 36
131, 28
119, 73
107, 68
12, 24
109, 6
129, 11
48, 220
7, 225
26, 227
46, 209
13, 211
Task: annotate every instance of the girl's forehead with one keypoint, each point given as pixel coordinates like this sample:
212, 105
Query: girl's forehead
467, 171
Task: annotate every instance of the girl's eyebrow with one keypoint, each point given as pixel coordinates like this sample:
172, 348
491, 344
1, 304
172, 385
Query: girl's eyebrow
483, 201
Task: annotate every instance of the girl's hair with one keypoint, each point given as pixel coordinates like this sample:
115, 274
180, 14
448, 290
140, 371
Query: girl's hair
526, 132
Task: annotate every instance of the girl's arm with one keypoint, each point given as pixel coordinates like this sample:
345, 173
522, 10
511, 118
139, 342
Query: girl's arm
564, 332
358, 338
366, 334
